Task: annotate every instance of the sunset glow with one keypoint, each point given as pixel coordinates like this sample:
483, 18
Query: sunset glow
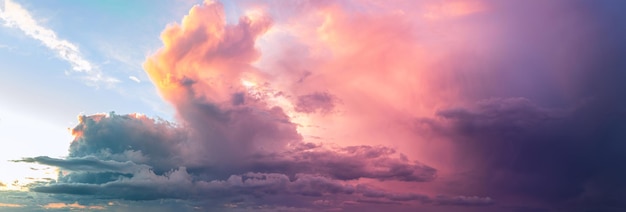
307, 105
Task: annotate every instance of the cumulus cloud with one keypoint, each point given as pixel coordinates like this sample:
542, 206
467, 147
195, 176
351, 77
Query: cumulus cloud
502, 110
134, 157
236, 139
129, 138
230, 143
121, 143
15, 16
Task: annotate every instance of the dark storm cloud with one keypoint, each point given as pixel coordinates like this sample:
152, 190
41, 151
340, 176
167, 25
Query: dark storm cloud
548, 129
565, 158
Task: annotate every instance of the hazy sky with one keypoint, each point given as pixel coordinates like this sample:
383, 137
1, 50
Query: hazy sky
355, 105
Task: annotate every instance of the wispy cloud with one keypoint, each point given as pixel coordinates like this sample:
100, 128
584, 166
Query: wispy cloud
3, 46
15, 16
134, 78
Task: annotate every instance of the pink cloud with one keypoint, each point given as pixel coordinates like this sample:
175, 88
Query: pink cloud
441, 103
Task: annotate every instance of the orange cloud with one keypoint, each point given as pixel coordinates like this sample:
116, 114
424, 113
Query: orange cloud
9, 205
75, 205
206, 54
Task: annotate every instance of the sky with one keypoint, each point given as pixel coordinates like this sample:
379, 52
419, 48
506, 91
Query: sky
312, 105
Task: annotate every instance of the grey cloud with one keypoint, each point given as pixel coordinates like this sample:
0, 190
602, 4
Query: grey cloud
346, 163
227, 134
385, 197
322, 102
123, 143
143, 185
91, 177
238, 98
88, 164
132, 157
69, 188
250, 189
143, 140
179, 184
370, 192
312, 185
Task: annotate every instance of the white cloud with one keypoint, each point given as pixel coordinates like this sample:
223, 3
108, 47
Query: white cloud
2, 46
134, 78
15, 16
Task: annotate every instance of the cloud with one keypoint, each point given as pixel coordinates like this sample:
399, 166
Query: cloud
314, 102
178, 184
236, 140
377, 193
9, 205
501, 110
89, 164
60, 205
464, 200
131, 138
134, 78
499, 117
347, 163
131, 144
3, 46
511, 144
246, 190
17, 17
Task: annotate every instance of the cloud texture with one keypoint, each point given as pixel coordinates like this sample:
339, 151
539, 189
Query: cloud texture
365, 105
133, 157
15, 16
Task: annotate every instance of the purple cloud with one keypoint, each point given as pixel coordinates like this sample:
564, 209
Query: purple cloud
322, 102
